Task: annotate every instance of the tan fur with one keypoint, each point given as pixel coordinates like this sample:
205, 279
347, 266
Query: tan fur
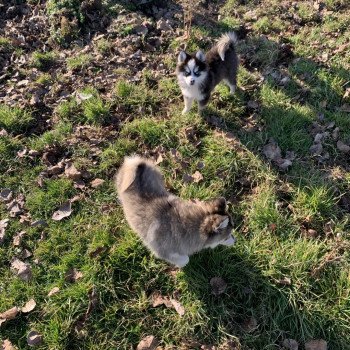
173, 229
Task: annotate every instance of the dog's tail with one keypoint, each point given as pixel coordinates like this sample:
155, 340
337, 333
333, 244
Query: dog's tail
224, 43
140, 176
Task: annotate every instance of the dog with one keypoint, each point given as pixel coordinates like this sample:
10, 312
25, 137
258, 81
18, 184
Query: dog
172, 228
198, 74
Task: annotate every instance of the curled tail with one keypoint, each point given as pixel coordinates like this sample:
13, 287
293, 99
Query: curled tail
140, 176
224, 43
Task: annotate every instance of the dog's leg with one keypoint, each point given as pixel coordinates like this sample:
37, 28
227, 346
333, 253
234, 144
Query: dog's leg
178, 260
231, 83
202, 104
188, 104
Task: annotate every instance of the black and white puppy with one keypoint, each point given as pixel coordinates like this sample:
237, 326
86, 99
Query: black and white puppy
198, 74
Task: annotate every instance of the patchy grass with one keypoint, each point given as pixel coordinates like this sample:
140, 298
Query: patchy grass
288, 272
43, 60
15, 119
80, 61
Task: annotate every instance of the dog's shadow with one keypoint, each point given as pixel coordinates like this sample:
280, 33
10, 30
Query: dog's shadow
247, 305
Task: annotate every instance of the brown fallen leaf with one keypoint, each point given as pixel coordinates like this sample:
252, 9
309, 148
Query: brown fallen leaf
197, 177
187, 178
178, 307
17, 239
218, 285
253, 104
63, 211
317, 344
25, 254
147, 343
285, 281
250, 324
72, 275
342, 147
96, 183
6, 195
3, 225
29, 306
316, 149
290, 344
53, 291
158, 299
34, 338
72, 172
23, 270
271, 150
7, 345
9, 314
98, 251
345, 108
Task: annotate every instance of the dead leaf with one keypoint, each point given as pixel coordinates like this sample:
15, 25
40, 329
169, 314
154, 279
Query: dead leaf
283, 164
72, 172
159, 159
26, 254
345, 108
323, 104
290, 344
200, 165
147, 343
253, 104
158, 299
96, 183
38, 223
63, 211
342, 147
250, 324
335, 133
7, 345
17, 239
53, 291
316, 149
34, 338
23, 270
317, 344
29, 306
197, 177
3, 225
271, 150
218, 285
98, 251
9, 314
6, 195
285, 281
72, 275
187, 178
178, 307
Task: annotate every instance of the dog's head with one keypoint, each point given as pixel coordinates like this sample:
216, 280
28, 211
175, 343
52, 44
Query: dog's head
218, 225
191, 69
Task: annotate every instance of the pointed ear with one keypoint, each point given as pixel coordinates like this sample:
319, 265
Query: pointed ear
213, 223
200, 56
223, 224
182, 56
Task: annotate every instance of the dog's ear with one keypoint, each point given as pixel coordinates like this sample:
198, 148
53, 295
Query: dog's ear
218, 206
214, 223
200, 56
182, 57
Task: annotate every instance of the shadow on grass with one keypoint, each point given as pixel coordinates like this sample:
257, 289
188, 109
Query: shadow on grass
253, 296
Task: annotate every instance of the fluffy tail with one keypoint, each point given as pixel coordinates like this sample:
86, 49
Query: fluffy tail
140, 176
224, 43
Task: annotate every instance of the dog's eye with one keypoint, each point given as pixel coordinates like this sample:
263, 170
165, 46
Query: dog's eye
197, 74
186, 74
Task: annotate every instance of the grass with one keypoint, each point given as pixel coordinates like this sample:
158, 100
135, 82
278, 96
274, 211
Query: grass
290, 267
15, 119
43, 60
80, 61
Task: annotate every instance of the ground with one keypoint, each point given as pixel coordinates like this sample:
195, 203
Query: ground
85, 83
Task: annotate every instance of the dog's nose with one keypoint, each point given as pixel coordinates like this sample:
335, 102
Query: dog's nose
192, 81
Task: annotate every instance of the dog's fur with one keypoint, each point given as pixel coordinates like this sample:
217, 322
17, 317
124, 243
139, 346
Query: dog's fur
170, 227
198, 74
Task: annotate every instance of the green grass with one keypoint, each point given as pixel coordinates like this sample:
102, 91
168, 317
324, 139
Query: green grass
80, 61
295, 284
43, 60
15, 119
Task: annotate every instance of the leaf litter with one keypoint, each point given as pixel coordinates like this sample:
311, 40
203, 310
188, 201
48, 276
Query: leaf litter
273, 152
158, 299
